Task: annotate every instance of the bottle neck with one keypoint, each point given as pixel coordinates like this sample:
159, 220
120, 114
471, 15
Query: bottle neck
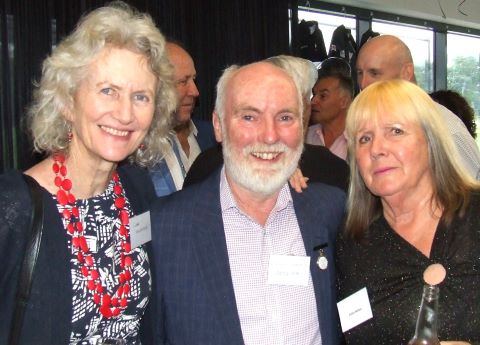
428, 315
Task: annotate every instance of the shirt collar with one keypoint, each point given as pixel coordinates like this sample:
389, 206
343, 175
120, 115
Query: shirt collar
193, 129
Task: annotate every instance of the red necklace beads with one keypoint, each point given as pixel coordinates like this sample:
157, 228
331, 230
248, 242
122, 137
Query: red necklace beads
109, 305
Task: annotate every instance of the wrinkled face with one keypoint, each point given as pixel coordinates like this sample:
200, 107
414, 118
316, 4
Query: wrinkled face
184, 74
392, 157
113, 106
261, 131
329, 101
374, 64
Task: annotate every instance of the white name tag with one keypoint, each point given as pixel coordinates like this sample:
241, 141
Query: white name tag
354, 309
140, 229
288, 270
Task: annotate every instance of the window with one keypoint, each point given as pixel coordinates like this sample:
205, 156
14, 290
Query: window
463, 70
420, 42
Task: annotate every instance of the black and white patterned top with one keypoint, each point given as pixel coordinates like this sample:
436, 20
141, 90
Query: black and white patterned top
99, 217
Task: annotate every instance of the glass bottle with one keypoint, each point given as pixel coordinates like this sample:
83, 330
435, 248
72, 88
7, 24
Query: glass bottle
426, 329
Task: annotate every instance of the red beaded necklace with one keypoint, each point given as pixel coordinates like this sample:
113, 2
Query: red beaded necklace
109, 305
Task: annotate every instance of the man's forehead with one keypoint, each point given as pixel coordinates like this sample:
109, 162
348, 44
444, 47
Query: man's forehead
380, 63
254, 96
379, 50
181, 60
250, 83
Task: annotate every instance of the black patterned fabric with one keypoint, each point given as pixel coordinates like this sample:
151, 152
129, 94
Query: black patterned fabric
100, 219
391, 269
50, 312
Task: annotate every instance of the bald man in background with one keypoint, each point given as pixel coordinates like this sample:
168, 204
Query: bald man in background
387, 57
190, 136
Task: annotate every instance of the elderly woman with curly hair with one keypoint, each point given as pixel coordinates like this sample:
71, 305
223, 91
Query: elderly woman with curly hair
105, 96
410, 204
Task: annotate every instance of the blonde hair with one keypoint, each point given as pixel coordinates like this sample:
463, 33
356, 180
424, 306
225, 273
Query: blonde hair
116, 25
405, 101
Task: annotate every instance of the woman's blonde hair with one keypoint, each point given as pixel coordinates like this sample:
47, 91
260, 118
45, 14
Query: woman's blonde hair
405, 101
115, 25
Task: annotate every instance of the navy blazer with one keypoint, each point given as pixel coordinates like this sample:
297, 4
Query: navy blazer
195, 299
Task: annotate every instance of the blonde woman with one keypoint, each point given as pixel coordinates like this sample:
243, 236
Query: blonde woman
410, 204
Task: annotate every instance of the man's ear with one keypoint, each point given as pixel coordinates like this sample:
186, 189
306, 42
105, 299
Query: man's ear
345, 101
217, 127
408, 72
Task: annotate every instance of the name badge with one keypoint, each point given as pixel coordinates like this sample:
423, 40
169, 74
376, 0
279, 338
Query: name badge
140, 229
288, 270
354, 310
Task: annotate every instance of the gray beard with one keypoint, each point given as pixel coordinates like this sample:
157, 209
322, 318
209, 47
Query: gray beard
255, 180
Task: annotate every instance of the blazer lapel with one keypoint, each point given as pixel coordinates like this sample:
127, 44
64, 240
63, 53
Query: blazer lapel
212, 256
323, 280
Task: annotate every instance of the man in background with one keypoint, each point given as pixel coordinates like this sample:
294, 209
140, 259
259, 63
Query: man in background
332, 95
190, 136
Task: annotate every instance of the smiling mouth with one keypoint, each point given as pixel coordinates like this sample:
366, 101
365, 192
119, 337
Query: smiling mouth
114, 131
266, 155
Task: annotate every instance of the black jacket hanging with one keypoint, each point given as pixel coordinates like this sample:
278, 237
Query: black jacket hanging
311, 43
366, 36
343, 45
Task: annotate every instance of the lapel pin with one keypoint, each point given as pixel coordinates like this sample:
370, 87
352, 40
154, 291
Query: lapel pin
322, 261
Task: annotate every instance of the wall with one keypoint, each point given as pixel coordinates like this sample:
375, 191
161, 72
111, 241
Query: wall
424, 9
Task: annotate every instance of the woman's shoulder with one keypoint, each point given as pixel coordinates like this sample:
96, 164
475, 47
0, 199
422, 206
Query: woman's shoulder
11, 175
473, 207
15, 205
476, 197
12, 185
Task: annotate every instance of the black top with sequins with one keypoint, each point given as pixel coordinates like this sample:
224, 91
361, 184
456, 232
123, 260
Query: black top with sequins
391, 269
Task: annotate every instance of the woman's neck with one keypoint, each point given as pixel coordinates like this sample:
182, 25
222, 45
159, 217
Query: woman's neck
415, 219
88, 177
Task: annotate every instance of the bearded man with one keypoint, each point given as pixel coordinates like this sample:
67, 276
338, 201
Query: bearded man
239, 257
